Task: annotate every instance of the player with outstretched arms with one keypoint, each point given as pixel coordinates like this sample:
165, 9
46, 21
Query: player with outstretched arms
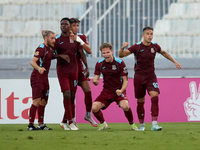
115, 79
145, 78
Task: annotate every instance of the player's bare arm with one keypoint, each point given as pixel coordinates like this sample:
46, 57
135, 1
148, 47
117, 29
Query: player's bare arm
124, 86
168, 56
84, 59
95, 79
34, 65
85, 46
63, 56
122, 52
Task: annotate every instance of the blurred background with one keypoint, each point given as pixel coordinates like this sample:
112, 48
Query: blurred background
176, 26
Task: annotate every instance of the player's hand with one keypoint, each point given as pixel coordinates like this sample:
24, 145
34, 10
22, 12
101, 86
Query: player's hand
118, 92
86, 72
125, 45
65, 57
73, 37
41, 70
178, 66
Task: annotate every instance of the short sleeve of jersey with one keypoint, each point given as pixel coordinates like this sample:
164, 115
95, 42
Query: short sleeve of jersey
133, 48
84, 38
158, 48
39, 52
123, 69
97, 69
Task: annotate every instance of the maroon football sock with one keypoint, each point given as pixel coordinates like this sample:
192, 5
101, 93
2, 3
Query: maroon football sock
68, 112
154, 108
129, 116
99, 116
88, 101
64, 118
140, 112
41, 114
32, 113
73, 109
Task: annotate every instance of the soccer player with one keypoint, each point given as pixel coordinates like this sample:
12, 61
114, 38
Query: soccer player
39, 80
66, 50
145, 78
82, 80
115, 78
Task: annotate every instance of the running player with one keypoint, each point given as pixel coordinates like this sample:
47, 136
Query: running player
115, 77
82, 80
67, 69
39, 80
145, 78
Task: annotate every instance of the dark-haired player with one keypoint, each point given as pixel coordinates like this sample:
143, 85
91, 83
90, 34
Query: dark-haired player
66, 50
115, 77
82, 80
39, 80
145, 78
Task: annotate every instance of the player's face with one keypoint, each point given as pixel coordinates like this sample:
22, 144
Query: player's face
147, 36
64, 26
75, 28
107, 54
51, 40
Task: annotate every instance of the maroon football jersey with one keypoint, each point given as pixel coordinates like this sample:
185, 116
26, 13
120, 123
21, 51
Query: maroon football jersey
144, 57
44, 54
112, 73
64, 45
80, 64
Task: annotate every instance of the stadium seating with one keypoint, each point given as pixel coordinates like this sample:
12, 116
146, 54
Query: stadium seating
176, 11
2, 27
32, 28
178, 27
3, 46
193, 11
28, 12
8, 14
51, 25
186, 1
14, 28
47, 11
162, 27
196, 46
194, 29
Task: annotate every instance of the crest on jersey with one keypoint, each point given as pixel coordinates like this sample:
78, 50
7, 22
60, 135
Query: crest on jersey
114, 67
152, 50
36, 53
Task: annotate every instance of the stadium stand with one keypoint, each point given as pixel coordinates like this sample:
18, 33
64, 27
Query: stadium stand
14, 28
176, 10
8, 14
32, 28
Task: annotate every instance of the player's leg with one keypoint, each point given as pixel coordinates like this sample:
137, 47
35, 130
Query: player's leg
73, 80
32, 113
141, 113
140, 91
41, 110
128, 113
154, 110
96, 109
85, 85
65, 88
153, 90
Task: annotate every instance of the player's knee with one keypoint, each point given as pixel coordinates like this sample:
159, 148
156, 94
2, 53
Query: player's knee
95, 107
141, 99
125, 107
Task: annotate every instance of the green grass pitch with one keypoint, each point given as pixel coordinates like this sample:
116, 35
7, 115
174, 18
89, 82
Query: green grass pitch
118, 136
